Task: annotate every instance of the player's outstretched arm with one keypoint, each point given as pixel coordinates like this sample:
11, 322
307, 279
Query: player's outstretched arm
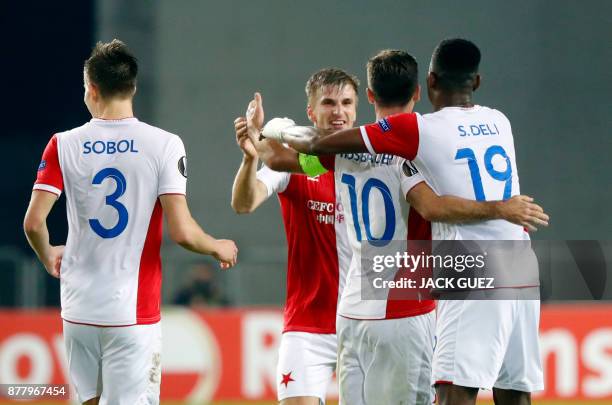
311, 141
35, 228
520, 210
185, 231
278, 157
248, 192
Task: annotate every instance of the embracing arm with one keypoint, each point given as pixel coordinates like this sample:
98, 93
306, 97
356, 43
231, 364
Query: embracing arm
278, 157
310, 141
519, 209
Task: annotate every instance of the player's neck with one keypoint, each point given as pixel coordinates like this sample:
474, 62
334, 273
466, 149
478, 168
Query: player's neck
453, 100
115, 110
382, 112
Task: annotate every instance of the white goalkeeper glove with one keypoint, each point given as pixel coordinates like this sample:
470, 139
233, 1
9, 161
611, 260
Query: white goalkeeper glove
274, 128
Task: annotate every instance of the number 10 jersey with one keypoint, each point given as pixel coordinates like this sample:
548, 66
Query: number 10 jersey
112, 172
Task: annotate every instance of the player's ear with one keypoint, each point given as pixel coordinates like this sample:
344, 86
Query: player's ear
370, 94
94, 91
476, 82
432, 80
417, 94
310, 114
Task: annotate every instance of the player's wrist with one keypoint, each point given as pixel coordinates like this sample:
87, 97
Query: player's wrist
248, 158
498, 210
215, 248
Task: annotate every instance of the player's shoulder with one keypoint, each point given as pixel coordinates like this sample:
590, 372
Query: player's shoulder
447, 114
70, 133
158, 133
493, 112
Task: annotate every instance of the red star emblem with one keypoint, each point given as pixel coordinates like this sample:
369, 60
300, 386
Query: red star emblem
287, 378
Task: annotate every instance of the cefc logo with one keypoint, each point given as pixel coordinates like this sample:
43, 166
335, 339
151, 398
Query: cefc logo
320, 206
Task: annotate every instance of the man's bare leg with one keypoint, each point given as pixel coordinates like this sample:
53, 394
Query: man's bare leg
449, 394
511, 397
301, 401
93, 401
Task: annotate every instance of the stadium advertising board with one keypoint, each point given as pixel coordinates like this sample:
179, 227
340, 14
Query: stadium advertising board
231, 354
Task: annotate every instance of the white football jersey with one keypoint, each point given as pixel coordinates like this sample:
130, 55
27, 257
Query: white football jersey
373, 194
466, 152
112, 172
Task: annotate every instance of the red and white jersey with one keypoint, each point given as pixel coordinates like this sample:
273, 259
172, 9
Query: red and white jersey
112, 173
373, 191
466, 152
317, 251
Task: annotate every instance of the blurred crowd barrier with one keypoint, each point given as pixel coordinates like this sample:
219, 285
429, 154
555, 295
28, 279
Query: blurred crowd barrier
230, 354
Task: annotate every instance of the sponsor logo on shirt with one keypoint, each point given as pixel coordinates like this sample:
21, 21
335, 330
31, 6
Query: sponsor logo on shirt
384, 125
42, 165
325, 211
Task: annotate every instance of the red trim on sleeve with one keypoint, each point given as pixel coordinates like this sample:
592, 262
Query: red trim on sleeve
49, 171
397, 135
149, 275
328, 162
46, 191
443, 382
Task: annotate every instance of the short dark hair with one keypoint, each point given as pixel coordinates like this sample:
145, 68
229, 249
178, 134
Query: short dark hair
112, 68
393, 76
455, 62
330, 77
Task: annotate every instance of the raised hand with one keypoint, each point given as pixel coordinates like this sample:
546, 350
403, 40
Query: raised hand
242, 138
255, 117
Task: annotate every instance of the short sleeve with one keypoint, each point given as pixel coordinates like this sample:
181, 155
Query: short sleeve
409, 175
173, 174
397, 135
276, 182
49, 177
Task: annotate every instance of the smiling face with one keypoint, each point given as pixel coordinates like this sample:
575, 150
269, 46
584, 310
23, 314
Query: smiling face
333, 107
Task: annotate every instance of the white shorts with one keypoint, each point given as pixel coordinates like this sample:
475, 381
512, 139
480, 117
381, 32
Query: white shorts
122, 365
386, 361
306, 364
485, 344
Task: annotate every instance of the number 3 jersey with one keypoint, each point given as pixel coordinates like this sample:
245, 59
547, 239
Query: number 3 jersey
112, 172
466, 152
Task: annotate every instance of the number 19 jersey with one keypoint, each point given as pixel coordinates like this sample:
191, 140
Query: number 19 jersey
112, 172
466, 152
